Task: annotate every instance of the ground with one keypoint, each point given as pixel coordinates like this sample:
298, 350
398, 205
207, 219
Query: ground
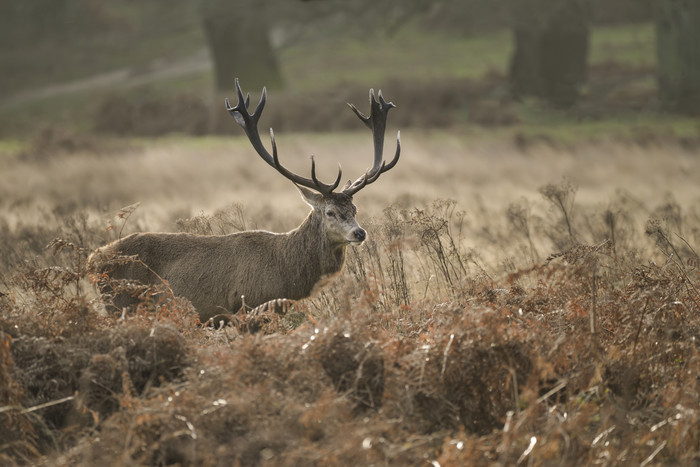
512, 302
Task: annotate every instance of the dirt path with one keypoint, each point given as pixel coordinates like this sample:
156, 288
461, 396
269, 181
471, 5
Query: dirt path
123, 78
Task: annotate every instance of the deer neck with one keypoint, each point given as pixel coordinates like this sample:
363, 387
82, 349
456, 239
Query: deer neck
319, 256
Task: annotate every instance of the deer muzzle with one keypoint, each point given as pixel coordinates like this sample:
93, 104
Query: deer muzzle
359, 235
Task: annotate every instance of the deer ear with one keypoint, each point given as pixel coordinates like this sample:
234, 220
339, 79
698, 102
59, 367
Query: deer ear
313, 199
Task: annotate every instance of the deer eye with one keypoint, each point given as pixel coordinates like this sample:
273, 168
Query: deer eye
330, 213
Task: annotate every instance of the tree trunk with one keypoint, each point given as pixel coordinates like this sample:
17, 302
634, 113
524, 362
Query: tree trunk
551, 49
239, 42
678, 50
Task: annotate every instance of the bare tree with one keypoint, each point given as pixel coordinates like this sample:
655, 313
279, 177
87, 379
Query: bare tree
551, 49
239, 42
677, 38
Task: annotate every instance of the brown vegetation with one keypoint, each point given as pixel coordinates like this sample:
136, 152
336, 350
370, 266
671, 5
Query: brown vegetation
418, 353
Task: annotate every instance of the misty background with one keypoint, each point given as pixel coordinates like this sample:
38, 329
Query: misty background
148, 68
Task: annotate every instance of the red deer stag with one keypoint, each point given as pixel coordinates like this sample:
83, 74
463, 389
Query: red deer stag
221, 273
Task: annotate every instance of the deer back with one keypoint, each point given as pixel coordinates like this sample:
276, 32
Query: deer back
217, 273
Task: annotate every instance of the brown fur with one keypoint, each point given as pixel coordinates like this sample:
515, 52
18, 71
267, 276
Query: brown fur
215, 272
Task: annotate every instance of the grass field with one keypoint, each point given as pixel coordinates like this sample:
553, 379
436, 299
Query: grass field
512, 304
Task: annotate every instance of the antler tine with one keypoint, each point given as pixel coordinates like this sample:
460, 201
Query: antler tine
249, 123
331, 187
361, 116
377, 123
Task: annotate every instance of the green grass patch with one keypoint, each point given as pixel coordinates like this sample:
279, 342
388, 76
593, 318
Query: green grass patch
626, 45
11, 146
411, 54
644, 128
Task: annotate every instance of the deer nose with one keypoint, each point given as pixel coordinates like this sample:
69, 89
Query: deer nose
360, 235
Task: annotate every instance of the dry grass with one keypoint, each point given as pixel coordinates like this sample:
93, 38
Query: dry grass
531, 320
180, 178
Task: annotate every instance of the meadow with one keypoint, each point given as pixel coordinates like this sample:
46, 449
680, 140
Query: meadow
528, 292
512, 304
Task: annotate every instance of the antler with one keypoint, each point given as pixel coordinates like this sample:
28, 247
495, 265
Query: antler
377, 123
249, 123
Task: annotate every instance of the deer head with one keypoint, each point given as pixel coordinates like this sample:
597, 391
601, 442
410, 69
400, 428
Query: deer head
335, 208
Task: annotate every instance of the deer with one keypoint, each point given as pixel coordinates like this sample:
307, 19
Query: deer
224, 274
